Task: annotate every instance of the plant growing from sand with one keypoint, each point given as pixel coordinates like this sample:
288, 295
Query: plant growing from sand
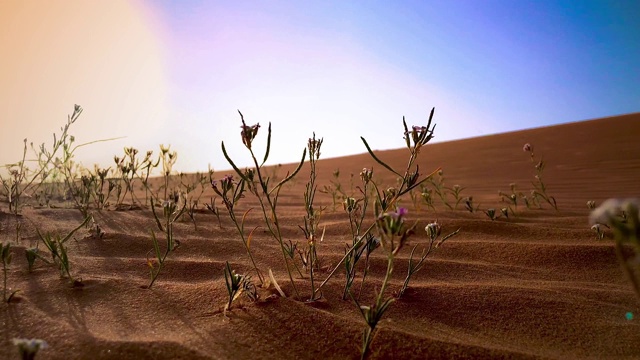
231, 192
433, 232
171, 211
236, 285
21, 179
386, 200
539, 188
440, 189
28, 348
356, 209
312, 216
393, 234
623, 217
389, 224
267, 197
335, 189
6, 256
56, 246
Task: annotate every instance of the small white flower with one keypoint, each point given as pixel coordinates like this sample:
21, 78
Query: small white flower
30, 346
611, 208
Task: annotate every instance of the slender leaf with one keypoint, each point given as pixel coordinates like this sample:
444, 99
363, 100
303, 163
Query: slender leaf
266, 154
376, 158
304, 155
233, 165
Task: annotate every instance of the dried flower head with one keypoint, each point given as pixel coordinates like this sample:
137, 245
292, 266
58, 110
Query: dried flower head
433, 230
366, 175
248, 133
314, 147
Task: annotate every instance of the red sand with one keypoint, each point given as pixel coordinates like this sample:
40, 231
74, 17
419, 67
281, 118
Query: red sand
536, 285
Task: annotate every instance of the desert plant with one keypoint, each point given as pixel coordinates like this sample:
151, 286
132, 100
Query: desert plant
56, 246
20, 178
427, 197
510, 198
539, 187
312, 216
433, 232
146, 166
415, 139
28, 348
468, 204
236, 285
335, 189
168, 158
213, 208
5, 256
440, 189
393, 235
356, 210
491, 213
456, 190
231, 192
171, 211
623, 217
268, 198
32, 254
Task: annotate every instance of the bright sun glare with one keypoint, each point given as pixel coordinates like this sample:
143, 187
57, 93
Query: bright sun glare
60, 53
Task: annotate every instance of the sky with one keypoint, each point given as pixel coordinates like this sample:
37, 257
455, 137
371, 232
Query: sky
176, 72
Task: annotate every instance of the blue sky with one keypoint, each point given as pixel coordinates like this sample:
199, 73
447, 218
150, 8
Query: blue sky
176, 72
345, 69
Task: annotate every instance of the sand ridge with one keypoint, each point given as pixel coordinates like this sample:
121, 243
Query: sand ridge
538, 285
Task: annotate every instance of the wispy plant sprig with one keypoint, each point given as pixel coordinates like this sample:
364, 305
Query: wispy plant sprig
540, 189
6, 255
313, 214
385, 200
231, 192
456, 191
172, 209
356, 209
29, 348
393, 235
56, 246
335, 189
236, 285
433, 230
267, 197
20, 178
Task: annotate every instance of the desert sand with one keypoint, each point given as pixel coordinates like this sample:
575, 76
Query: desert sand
535, 285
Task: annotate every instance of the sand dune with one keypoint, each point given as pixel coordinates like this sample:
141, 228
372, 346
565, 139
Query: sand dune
536, 285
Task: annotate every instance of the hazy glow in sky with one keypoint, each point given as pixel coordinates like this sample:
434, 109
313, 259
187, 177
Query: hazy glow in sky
176, 71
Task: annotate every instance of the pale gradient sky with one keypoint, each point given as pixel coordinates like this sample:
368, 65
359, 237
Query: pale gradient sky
176, 71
